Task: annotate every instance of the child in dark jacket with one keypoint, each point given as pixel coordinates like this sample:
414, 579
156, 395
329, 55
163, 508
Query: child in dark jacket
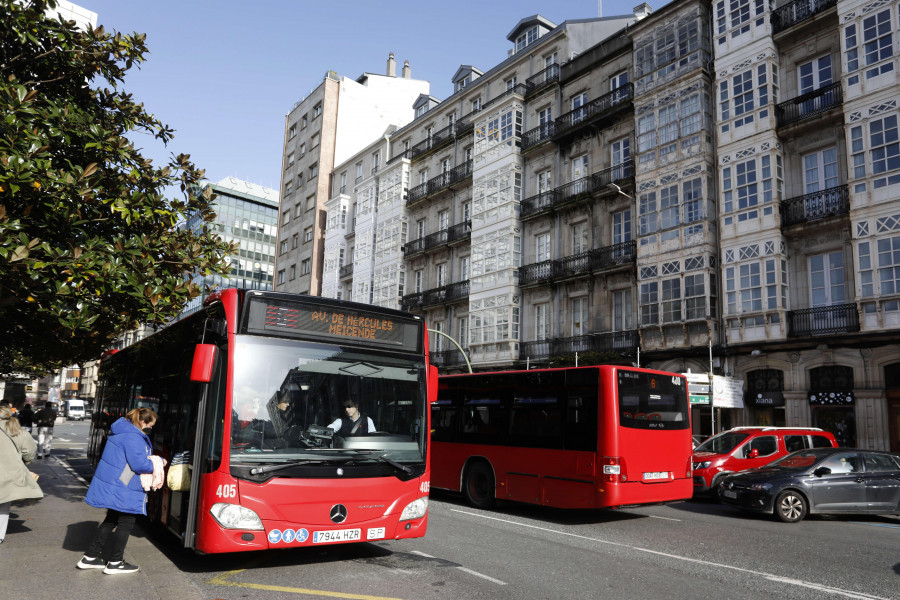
116, 486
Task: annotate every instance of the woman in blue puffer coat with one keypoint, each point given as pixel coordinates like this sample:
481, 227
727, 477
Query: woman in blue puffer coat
116, 486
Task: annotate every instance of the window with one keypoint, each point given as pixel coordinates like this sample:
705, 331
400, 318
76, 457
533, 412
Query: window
579, 238
550, 60
304, 121
290, 160
286, 217
619, 80
305, 266
511, 83
544, 182
649, 303
283, 247
292, 132
527, 38
288, 188
463, 268
814, 74
376, 161
826, 279
314, 141
359, 171
295, 241
742, 96
883, 144
620, 152
307, 235
300, 180
671, 297
442, 275
317, 111
313, 171
443, 220
649, 222
420, 228
310, 202
298, 210
542, 247
293, 272
622, 226
579, 316
668, 207
343, 187
765, 445
303, 149
280, 276
419, 281
694, 296
623, 311
889, 265
541, 321
463, 335
820, 171
578, 110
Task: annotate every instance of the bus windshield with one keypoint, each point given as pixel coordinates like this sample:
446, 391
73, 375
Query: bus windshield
289, 398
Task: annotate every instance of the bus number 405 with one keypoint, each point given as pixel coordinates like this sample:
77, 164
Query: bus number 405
227, 491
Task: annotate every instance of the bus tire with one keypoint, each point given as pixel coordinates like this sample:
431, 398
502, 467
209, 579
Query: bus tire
478, 485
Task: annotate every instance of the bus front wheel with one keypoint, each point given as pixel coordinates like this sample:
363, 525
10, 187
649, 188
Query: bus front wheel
478, 485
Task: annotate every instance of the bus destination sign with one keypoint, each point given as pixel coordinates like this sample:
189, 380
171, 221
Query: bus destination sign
333, 323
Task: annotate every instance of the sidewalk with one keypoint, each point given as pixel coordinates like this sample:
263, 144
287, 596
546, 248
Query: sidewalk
46, 540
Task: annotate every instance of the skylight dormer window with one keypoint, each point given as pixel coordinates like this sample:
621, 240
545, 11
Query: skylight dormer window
527, 38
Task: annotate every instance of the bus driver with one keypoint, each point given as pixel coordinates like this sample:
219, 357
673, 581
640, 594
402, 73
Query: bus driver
353, 423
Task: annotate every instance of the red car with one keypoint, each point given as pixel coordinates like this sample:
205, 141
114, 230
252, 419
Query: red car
745, 448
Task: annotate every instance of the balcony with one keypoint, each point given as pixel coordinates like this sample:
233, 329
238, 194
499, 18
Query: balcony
625, 342
466, 123
542, 79
454, 292
595, 111
447, 358
817, 205
785, 17
437, 139
545, 201
577, 265
823, 320
539, 134
346, 271
441, 238
809, 105
441, 182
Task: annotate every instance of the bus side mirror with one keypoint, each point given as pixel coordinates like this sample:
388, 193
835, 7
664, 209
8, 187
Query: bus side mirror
432, 383
202, 367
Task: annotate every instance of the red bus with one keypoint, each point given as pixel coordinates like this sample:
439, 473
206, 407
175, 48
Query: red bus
248, 391
582, 437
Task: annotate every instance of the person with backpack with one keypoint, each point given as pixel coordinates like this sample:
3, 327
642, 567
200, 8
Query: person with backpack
45, 419
26, 417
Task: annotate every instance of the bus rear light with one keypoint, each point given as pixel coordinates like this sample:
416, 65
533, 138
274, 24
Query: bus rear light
613, 469
234, 516
688, 473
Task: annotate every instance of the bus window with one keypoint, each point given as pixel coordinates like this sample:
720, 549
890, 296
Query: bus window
582, 391
652, 401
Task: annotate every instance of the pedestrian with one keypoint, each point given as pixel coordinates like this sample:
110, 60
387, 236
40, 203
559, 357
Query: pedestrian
26, 417
45, 418
17, 448
116, 486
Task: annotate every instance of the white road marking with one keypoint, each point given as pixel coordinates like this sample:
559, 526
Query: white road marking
71, 471
464, 569
769, 576
665, 518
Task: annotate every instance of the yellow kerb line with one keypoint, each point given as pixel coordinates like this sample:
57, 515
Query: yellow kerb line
223, 580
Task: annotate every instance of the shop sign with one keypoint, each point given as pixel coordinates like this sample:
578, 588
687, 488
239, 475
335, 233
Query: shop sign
765, 399
727, 392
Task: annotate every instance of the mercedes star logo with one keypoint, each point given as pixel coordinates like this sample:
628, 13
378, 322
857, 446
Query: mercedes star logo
338, 513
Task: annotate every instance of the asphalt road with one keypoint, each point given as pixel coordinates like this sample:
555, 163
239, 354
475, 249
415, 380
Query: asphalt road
687, 550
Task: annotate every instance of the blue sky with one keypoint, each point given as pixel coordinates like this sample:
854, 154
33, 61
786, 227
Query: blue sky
224, 74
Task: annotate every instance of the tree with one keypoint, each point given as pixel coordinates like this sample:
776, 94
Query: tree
89, 244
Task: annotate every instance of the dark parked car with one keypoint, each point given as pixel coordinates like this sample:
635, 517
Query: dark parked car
818, 480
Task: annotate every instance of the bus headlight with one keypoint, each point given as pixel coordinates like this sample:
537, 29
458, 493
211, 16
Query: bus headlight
415, 509
234, 516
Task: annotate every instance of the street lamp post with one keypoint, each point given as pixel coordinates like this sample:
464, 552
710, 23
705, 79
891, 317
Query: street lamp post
455, 343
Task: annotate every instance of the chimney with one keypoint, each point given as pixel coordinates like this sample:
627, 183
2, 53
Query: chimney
391, 66
642, 11
406, 74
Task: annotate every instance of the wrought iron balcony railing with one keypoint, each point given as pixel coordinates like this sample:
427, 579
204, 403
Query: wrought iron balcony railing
437, 139
809, 105
817, 205
453, 292
583, 263
547, 200
439, 182
614, 341
604, 105
790, 14
823, 320
447, 358
535, 136
346, 271
542, 79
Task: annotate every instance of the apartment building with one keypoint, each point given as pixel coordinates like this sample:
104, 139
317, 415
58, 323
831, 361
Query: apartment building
340, 116
710, 187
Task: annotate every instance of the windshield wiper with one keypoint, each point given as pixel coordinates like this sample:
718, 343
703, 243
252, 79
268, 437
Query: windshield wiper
399, 466
288, 465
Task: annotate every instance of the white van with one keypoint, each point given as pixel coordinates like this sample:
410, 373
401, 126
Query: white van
74, 409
